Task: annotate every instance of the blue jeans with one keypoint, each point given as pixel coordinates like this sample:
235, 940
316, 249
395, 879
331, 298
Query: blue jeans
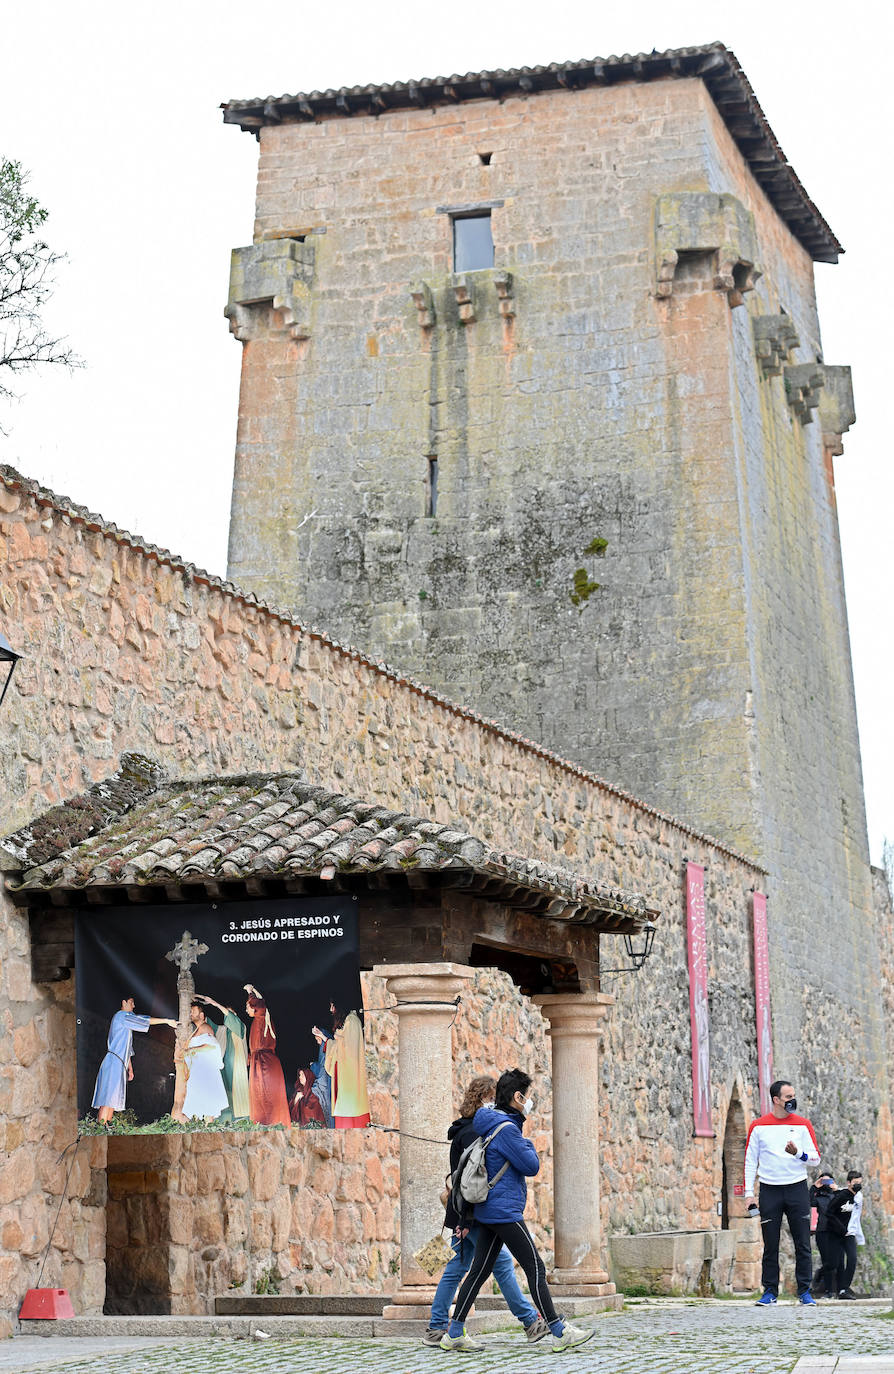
504, 1273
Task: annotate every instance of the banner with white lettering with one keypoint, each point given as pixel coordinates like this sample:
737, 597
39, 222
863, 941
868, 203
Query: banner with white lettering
699, 1013
220, 1016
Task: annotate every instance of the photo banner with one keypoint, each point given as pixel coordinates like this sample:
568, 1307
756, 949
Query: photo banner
762, 998
220, 1015
699, 1015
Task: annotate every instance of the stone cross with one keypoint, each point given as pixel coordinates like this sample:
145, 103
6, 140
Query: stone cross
185, 953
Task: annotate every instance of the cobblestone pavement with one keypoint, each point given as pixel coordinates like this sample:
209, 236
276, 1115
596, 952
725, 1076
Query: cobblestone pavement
689, 1338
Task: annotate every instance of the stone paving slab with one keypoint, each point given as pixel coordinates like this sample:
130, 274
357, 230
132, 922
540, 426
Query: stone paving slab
684, 1338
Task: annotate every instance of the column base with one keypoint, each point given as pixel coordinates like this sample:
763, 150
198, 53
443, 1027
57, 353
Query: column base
571, 1283
408, 1304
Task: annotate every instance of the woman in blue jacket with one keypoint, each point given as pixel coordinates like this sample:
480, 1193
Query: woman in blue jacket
501, 1218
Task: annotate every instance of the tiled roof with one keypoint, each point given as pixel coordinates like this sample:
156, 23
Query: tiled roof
80, 515
137, 830
714, 64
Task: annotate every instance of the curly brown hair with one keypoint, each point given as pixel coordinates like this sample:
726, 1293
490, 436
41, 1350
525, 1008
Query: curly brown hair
477, 1092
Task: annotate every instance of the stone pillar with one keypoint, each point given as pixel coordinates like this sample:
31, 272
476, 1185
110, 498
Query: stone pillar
427, 1090
575, 1028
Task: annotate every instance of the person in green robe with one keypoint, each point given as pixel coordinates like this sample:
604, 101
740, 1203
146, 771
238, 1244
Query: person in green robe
231, 1038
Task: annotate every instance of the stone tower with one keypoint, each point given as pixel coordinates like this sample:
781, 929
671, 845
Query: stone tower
534, 406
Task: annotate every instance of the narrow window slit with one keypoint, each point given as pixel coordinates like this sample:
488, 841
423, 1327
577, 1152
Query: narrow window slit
431, 495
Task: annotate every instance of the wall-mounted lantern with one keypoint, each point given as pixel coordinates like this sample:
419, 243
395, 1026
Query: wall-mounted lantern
638, 947
8, 656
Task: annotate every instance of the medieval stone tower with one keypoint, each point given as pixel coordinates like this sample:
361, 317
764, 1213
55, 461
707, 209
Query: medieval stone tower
534, 406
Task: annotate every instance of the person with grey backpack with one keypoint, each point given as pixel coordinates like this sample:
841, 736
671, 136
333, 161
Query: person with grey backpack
458, 1219
508, 1160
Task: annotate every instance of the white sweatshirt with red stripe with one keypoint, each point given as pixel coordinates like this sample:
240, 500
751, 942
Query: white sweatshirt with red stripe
766, 1157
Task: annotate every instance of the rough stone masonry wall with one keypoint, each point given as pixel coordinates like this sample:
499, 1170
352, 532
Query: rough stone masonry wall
126, 648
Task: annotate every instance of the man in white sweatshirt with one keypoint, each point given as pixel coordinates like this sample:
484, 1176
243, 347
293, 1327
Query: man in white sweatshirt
779, 1150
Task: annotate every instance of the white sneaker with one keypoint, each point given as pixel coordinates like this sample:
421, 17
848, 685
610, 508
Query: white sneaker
461, 1342
572, 1336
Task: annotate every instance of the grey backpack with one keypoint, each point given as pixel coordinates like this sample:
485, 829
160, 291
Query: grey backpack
469, 1182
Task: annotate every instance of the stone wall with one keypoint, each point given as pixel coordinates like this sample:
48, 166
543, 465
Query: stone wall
128, 648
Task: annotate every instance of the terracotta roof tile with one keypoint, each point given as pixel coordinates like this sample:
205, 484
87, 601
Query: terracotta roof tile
145, 830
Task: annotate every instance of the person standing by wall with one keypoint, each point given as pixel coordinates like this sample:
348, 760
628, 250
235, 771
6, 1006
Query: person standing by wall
501, 1217
779, 1148
821, 1194
845, 1224
464, 1235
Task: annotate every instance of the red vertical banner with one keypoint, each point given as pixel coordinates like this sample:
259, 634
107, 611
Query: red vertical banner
762, 998
699, 1015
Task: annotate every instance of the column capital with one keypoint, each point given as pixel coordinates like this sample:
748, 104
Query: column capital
417, 986
574, 1013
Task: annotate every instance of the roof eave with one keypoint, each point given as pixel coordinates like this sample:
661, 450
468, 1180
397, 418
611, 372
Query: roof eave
714, 64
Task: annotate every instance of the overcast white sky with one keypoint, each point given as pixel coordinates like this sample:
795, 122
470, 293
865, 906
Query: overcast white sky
114, 110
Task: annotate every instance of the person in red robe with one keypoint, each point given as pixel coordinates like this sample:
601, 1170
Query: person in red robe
267, 1097
304, 1104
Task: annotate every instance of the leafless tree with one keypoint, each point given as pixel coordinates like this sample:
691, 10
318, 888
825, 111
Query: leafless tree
26, 282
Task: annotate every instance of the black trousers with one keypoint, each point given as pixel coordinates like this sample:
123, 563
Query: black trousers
846, 1274
519, 1242
832, 1255
792, 1201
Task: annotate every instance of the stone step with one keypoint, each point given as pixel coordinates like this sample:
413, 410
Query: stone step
357, 1327
302, 1305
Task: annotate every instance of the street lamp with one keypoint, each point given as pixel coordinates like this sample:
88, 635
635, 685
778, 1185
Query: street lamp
638, 947
7, 655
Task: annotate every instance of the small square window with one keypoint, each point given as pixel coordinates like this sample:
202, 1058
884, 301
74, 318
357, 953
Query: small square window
473, 243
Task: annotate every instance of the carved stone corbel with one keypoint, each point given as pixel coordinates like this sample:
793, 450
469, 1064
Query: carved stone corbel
836, 407
465, 300
268, 277
503, 285
803, 384
775, 338
425, 306
689, 222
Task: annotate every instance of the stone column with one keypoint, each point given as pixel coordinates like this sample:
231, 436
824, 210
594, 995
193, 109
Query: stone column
427, 1091
575, 1028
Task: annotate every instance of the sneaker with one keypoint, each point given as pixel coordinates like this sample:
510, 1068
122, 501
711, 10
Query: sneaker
848, 1293
807, 1299
537, 1330
433, 1335
766, 1299
572, 1336
460, 1342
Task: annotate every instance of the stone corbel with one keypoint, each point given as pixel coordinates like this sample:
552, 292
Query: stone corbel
836, 407
803, 384
425, 306
465, 300
775, 338
506, 300
706, 223
276, 275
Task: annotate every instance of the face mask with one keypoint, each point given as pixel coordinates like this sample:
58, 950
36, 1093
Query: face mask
529, 1106
856, 1187
790, 1105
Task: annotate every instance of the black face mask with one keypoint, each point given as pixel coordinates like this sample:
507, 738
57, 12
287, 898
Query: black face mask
856, 1187
790, 1105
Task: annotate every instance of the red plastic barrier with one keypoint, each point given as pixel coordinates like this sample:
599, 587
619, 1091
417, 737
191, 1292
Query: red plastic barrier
46, 1304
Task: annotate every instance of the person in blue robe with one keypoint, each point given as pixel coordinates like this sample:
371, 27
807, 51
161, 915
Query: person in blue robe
116, 1069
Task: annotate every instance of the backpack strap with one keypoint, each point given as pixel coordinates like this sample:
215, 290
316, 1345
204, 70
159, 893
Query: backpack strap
491, 1183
